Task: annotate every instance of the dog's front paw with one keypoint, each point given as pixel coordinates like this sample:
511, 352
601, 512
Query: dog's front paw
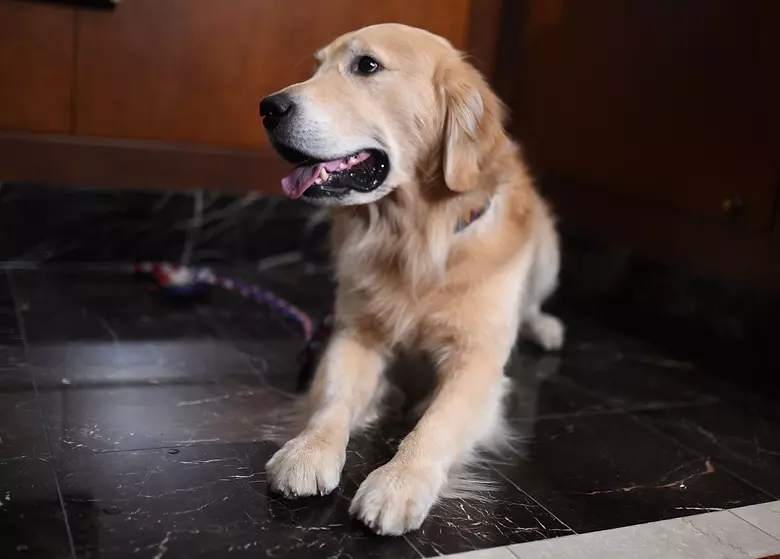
395, 499
305, 466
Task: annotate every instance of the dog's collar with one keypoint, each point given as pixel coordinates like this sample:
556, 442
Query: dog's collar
472, 216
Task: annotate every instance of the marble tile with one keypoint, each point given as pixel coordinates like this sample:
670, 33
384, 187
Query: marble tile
21, 426
718, 535
7, 304
110, 379
506, 516
629, 375
631, 385
204, 501
12, 354
106, 418
500, 516
84, 289
124, 377
742, 436
587, 336
541, 387
721, 326
80, 334
765, 516
603, 471
45, 223
681, 312
184, 342
213, 497
108, 290
31, 518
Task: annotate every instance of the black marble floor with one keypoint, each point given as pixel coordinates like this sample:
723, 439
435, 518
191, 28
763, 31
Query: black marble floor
130, 427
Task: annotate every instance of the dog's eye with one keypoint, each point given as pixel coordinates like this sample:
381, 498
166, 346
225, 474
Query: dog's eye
366, 65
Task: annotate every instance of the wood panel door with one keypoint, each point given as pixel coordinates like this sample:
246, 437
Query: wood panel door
36, 67
195, 70
664, 101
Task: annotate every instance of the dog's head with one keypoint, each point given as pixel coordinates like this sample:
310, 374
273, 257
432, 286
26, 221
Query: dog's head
386, 105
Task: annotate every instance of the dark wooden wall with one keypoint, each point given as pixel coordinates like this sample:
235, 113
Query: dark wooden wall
164, 93
655, 125
194, 70
36, 67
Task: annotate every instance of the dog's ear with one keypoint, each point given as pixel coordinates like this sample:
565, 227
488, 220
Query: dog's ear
472, 122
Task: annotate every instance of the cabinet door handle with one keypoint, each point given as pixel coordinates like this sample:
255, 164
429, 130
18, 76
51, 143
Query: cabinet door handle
732, 205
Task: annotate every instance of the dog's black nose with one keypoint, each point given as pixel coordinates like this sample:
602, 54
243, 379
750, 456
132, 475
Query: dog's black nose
274, 109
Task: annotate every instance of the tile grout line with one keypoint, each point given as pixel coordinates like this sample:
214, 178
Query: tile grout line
417, 551
753, 525
22, 331
548, 511
614, 411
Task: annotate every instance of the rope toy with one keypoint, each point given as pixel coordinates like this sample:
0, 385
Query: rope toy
185, 281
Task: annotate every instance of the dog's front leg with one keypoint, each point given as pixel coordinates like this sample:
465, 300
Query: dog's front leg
340, 397
465, 410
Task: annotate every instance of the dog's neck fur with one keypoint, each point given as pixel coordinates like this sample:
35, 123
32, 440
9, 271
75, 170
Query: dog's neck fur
412, 231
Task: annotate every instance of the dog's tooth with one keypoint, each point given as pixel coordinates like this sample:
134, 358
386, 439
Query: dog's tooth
318, 181
323, 174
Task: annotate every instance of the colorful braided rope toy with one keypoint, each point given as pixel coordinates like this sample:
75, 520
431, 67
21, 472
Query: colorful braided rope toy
185, 282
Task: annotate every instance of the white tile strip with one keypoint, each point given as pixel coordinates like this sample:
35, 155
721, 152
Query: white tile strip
765, 517
495, 553
716, 535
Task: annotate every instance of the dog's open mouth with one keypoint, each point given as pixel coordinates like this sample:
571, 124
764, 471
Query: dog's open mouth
363, 171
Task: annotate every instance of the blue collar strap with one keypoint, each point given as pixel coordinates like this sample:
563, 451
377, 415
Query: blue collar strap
472, 216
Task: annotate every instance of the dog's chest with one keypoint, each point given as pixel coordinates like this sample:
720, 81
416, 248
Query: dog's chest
392, 304
397, 281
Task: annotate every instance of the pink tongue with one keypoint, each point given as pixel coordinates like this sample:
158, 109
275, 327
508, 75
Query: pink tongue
296, 183
301, 178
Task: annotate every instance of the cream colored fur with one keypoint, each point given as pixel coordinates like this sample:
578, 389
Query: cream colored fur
407, 279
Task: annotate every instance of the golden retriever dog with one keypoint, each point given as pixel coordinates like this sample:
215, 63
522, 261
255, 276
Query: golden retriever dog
441, 245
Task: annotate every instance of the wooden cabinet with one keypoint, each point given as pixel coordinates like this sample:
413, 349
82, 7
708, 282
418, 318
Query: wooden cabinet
654, 125
36, 67
195, 70
666, 101
164, 93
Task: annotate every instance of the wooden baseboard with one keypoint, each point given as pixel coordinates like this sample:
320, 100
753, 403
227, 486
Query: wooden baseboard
91, 162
